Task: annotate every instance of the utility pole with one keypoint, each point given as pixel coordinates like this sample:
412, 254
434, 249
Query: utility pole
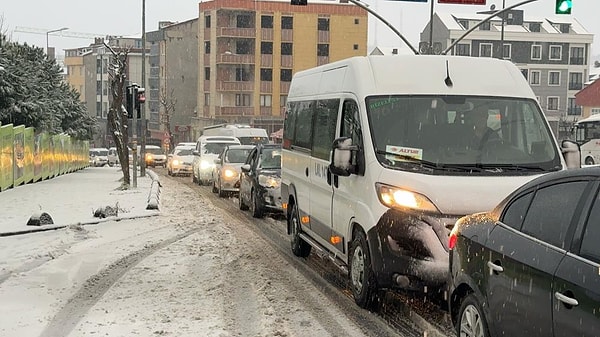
142, 108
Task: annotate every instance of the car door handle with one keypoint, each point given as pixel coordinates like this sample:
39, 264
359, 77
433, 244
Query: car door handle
566, 299
495, 267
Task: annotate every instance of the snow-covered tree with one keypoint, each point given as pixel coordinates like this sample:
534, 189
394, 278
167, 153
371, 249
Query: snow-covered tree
33, 93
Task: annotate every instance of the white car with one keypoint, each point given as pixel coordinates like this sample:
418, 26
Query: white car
180, 161
113, 157
207, 150
98, 156
226, 173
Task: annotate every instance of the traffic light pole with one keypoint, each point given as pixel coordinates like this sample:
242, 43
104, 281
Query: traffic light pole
142, 108
134, 140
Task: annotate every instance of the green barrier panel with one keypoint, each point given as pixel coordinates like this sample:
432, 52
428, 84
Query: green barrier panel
6, 157
55, 155
29, 143
46, 161
19, 153
38, 152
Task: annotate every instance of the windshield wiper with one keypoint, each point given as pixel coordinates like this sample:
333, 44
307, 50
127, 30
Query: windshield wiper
513, 167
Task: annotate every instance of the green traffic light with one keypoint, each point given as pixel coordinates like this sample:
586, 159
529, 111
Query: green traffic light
563, 6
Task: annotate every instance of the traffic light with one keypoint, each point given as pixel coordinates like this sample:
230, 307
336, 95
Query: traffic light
563, 6
140, 98
129, 95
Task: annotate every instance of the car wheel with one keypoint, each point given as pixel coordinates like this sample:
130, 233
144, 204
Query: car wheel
362, 279
194, 180
299, 246
214, 187
169, 172
257, 211
589, 161
222, 193
471, 322
243, 206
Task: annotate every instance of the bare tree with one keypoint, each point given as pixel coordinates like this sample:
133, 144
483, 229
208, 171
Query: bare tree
117, 114
168, 102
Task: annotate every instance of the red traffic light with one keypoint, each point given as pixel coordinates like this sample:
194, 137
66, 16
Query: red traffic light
141, 95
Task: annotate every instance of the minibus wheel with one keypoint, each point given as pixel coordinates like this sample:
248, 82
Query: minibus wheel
362, 279
299, 247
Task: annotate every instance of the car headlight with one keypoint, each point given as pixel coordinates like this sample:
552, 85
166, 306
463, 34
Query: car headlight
205, 165
269, 181
148, 157
175, 162
394, 197
229, 173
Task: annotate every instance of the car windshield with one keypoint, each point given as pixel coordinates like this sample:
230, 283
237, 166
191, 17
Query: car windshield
154, 151
270, 159
99, 153
214, 148
236, 155
461, 133
183, 152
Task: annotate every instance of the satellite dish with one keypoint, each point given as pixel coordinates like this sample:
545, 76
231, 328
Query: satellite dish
492, 7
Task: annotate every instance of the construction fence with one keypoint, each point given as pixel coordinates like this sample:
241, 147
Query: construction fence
28, 157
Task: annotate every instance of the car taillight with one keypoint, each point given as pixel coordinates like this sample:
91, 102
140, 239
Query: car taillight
452, 240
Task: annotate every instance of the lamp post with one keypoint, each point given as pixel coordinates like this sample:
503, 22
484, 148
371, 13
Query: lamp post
53, 31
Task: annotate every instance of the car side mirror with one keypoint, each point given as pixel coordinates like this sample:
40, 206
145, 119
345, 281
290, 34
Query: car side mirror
572, 153
195, 153
341, 157
246, 168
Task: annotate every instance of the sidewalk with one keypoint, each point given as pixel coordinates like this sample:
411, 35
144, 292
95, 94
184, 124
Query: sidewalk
74, 197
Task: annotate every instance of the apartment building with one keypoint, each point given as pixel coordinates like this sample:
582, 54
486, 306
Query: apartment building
172, 86
87, 72
249, 51
553, 54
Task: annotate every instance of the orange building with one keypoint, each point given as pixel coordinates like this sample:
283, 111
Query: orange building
248, 52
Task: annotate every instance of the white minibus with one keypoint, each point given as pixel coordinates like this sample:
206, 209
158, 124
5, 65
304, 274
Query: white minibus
382, 154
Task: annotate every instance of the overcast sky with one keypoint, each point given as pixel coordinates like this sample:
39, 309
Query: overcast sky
123, 17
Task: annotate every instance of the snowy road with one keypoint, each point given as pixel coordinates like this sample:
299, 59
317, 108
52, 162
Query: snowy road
195, 270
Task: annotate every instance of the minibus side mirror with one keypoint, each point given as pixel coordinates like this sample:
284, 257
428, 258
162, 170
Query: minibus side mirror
341, 157
572, 153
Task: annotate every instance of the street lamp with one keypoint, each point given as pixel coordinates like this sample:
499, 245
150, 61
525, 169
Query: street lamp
53, 31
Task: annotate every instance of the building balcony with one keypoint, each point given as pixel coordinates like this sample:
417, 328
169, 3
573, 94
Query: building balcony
236, 32
266, 34
239, 86
266, 111
284, 87
234, 111
235, 58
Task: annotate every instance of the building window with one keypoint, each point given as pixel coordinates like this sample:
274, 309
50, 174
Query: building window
485, 26
463, 49
525, 72
283, 100
577, 56
554, 78
595, 111
207, 21
485, 50
555, 53
552, 103
286, 48
287, 22
266, 21
286, 75
98, 88
266, 74
356, 21
266, 48
534, 77
242, 99
506, 51
243, 21
207, 73
573, 109
207, 47
464, 23
575, 81
355, 47
323, 24
265, 100
323, 49
535, 27
241, 75
98, 109
565, 28
206, 99
98, 66
536, 52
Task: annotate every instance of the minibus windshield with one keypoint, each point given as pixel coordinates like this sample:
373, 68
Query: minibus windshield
469, 133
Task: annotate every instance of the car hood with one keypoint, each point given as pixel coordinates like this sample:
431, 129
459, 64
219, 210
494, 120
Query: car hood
457, 195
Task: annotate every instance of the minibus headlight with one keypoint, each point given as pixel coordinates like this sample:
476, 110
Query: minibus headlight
205, 165
395, 197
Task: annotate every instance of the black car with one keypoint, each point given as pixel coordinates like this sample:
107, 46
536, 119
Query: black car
260, 180
531, 266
